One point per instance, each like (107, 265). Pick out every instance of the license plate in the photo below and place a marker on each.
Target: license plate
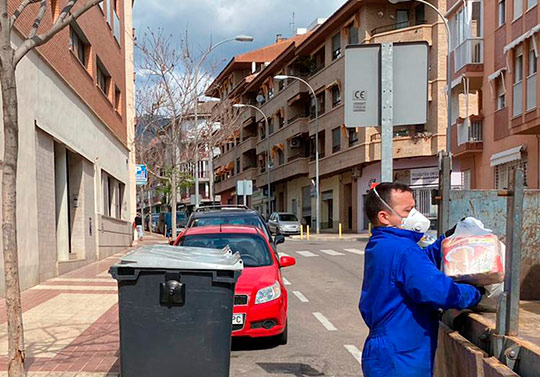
(238, 319)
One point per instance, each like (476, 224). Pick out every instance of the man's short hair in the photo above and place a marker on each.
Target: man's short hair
(374, 205)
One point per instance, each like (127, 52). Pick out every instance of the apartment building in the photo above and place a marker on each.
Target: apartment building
(495, 89)
(76, 190)
(349, 158)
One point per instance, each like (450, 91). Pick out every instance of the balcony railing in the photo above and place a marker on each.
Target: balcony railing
(297, 116)
(475, 131)
(470, 51)
(396, 26)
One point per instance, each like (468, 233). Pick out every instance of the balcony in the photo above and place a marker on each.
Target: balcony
(470, 51)
(230, 183)
(247, 116)
(289, 170)
(410, 33)
(296, 127)
(467, 136)
(421, 144)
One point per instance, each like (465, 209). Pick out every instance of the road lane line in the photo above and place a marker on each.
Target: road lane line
(300, 296)
(286, 282)
(355, 251)
(331, 252)
(325, 322)
(355, 352)
(283, 254)
(307, 254)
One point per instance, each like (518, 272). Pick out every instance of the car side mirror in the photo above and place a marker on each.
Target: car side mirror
(287, 261)
(279, 239)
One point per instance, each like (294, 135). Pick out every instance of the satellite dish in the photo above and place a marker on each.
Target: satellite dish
(260, 98)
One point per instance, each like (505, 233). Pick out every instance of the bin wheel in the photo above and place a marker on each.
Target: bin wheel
(283, 337)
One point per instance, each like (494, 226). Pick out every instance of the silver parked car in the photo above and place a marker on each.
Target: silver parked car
(284, 223)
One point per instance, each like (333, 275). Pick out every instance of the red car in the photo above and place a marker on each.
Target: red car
(260, 301)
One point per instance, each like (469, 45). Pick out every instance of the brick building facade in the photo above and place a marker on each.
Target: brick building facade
(76, 167)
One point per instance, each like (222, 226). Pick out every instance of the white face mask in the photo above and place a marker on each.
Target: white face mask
(415, 221)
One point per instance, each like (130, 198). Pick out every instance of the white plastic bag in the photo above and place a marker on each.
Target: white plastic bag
(473, 254)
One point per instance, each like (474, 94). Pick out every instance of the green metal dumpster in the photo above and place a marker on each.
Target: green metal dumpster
(175, 311)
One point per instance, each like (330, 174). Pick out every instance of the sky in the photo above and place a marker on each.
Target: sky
(211, 21)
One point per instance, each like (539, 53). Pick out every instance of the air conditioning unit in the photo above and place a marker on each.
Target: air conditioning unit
(295, 143)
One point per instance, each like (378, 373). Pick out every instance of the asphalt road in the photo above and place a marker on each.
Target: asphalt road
(326, 331)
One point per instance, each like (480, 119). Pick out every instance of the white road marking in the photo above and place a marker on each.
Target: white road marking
(355, 251)
(307, 254)
(357, 354)
(284, 255)
(331, 252)
(286, 282)
(325, 322)
(300, 296)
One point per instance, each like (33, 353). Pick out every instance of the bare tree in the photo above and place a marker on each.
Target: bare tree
(10, 55)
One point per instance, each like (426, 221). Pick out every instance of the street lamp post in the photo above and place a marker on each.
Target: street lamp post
(241, 105)
(239, 38)
(317, 188)
(449, 68)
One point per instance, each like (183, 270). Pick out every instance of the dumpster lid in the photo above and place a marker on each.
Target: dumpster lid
(182, 257)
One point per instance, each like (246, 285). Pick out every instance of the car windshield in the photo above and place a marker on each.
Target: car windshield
(252, 248)
(287, 217)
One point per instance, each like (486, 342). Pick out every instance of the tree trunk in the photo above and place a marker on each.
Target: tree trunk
(9, 214)
(174, 198)
(211, 173)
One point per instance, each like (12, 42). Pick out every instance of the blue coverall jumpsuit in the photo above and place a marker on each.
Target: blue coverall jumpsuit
(402, 291)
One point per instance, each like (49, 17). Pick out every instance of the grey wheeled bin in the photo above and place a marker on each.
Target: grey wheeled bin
(175, 309)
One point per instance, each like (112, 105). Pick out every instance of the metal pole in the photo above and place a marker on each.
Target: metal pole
(514, 220)
(196, 149)
(387, 113)
(269, 163)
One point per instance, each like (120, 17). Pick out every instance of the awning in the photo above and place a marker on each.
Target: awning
(229, 166)
(496, 74)
(522, 38)
(508, 155)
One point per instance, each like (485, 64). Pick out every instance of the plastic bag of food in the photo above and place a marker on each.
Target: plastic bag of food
(473, 254)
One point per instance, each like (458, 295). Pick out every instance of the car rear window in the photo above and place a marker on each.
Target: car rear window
(252, 248)
(288, 217)
(230, 220)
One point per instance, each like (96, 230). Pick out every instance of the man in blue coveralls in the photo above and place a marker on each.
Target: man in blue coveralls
(403, 288)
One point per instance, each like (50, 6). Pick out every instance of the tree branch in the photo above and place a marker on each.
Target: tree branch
(19, 11)
(38, 19)
(65, 18)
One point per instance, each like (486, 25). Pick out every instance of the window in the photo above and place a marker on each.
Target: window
(103, 78)
(321, 105)
(501, 93)
(281, 157)
(237, 165)
(270, 125)
(518, 69)
(336, 46)
(467, 179)
(117, 99)
(318, 60)
(531, 3)
(78, 45)
(353, 137)
(532, 62)
(336, 96)
(352, 34)
(116, 26)
(518, 9)
(402, 19)
(502, 12)
(503, 171)
(336, 139)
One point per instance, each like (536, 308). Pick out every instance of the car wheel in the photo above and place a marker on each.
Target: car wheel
(282, 338)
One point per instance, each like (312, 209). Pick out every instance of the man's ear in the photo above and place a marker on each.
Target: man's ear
(384, 218)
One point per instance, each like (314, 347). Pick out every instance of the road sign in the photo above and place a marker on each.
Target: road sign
(244, 187)
(141, 175)
(363, 84)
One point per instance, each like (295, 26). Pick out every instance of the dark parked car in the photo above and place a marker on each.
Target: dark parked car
(232, 215)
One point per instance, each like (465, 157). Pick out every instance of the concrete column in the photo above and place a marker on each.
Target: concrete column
(62, 205)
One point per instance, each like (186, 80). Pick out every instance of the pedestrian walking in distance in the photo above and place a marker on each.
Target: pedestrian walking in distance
(403, 287)
(139, 227)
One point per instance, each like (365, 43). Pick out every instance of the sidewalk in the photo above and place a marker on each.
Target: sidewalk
(335, 237)
(71, 323)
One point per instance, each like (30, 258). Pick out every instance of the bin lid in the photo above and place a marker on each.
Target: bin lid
(182, 258)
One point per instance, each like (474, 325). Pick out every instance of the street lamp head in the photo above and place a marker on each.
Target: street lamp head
(281, 77)
(238, 105)
(244, 38)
